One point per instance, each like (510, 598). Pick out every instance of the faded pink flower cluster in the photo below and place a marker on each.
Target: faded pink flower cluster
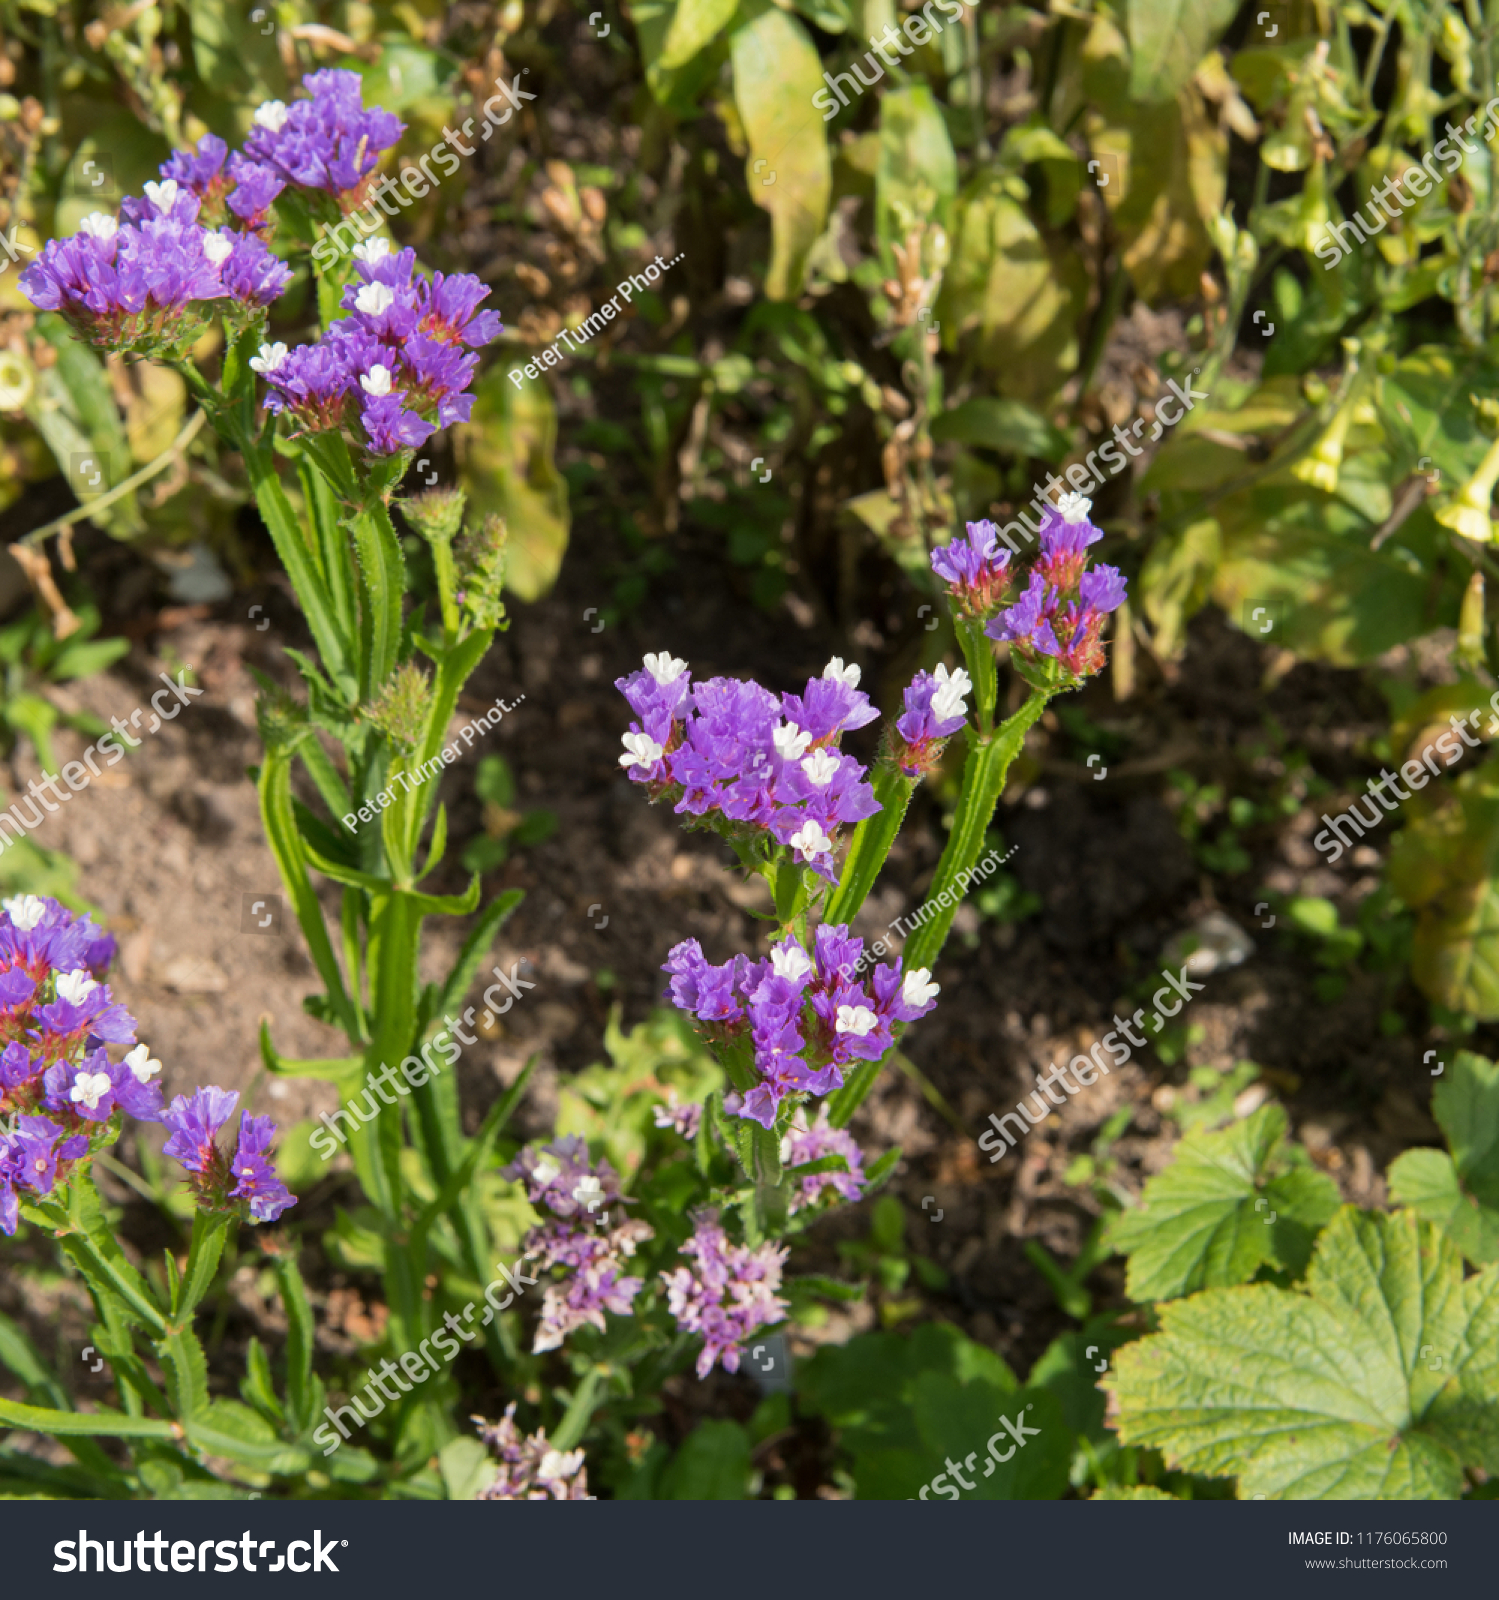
(530, 1469)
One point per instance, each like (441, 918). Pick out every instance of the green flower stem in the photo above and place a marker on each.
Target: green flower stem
(871, 843)
(978, 652)
(984, 775)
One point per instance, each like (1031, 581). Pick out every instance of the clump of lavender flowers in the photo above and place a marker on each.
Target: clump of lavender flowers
(1061, 613)
(529, 1467)
(805, 1017)
(394, 370)
(803, 1144)
(66, 1099)
(579, 1237)
(763, 769)
(726, 1295)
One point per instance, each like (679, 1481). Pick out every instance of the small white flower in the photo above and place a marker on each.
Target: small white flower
(376, 381)
(25, 910)
(271, 114)
(835, 671)
(374, 298)
(371, 251)
(1072, 507)
(557, 1464)
(270, 358)
(789, 960)
(857, 1020)
(947, 702)
(142, 1063)
(217, 248)
(590, 1192)
(544, 1171)
(75, 987)
(89, 1088)
(811, 841)
(162, 195)
(99, 226)
(791, 742)
(916, 987)
(821, 767)
(663, 668)
(640, 750)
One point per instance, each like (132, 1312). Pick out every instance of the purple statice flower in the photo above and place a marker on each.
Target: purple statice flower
(769, 767)
(1066, 534)
(128, 286)
(1077, 627)
(806, 1016)
(94, 1087)
(975, 569)
(705, 991)
(255, 189)
(802, 1145)
(594, 1259)
(935, 710)
(660, 696)
(250, 272)
(390, 426)
(18, 1067)
(28, 1161)
(311, 382)
(83, 1006)
(439, 374)
(563, 1179)
(727, 1295)
(682, 1120)
(529, 1468)
(1027, 623)
(329, 141)
(449, 304)
(256, 1179)
(194, 1123)
(201, 173)
(831, 704)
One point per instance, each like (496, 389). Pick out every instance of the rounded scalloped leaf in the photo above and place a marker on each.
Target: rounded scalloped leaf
(1379, 1382)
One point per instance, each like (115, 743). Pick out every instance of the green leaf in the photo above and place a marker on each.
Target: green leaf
(776, 72)
(1445, 866)
(1167, 39)
(916, 176)
(694, 25)
(1459, 1191)
(712, 1464)
(1425, 407)
(300, 1331)
(1212, 1218)
(507, 462)
(1381, 1381)
(1009, 426)
(466, 1466)
(229, 1428)
(106, 1424)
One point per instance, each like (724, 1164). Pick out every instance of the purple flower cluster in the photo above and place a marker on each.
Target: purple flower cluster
(578, 1193)
(726, 1295)
(140, 284)
(194, 1122)
(935, 710)
(975, 569)
(56, 1019)
(530, 1469)
(803, 1144)
(683, 1120)
(225, 183)
(1061, 612)
(732, 750)
(805, 1018)
(330, 141)
(404, 356)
